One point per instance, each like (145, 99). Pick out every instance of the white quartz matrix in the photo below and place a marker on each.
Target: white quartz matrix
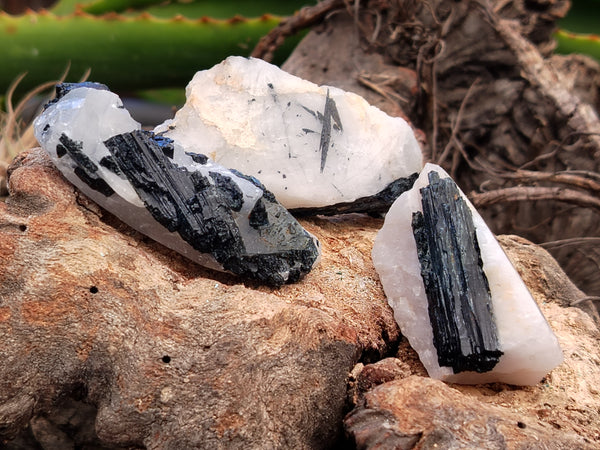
(310, 145)
(530, 347)
(90, 116)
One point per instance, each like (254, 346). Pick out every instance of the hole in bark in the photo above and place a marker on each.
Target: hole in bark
(94, 290)
(23, 227)
(166, 359)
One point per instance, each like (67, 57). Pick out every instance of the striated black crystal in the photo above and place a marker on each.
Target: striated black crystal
(63, 89)
(374, 204)
(190, 206)
(460, 308)
(86, 168)
(201, 212)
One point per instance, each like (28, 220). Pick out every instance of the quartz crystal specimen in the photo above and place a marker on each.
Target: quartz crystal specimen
(456, 296)
(217, 217)
(312, 146)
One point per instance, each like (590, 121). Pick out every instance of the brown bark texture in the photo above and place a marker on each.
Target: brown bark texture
(111, 340)
(111, 334)
(397, 406)
(515, 125)
(417, 411)
(172, 355)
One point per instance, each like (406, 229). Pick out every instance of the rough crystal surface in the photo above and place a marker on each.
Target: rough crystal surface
(530, 349)
(458, 293)
(217, 217)
(312, 146)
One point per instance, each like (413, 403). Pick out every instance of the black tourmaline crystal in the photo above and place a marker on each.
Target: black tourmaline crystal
(202, 211)
(460, 309)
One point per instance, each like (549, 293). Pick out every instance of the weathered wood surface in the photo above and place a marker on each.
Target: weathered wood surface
(398, 406)
(170, 355)
(174, 356)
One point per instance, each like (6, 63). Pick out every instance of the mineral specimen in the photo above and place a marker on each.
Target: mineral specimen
(312, 146)
(217, 217)
(455, 294)
(460, 309)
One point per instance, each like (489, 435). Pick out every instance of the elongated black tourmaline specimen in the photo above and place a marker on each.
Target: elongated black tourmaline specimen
(373, 205)
(460, 308)
(188, 205)
(200, 209)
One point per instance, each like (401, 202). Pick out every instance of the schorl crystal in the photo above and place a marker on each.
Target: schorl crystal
(460, 307)
(215, 216)
(374, 205)
(63, 89)
(86, 169)
(440, 298)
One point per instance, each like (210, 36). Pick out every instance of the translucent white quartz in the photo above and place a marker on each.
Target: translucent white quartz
(530, 347)
(89, 117)
(251, 115)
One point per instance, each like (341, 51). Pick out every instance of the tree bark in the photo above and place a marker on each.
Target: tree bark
(171, 354)
(480, 81)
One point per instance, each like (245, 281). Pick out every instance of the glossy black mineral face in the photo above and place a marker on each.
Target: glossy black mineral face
(455, 294)
(460, 305)
(215, 216)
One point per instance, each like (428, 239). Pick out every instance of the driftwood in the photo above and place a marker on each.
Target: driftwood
(172, 355)
(397, 406)
(112, 340)
(407, 412)
(515, 125)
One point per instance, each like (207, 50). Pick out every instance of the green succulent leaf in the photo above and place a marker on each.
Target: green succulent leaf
(105, 6)
(588, 44)
(194, 9)
(65, 7)
(126, 53)
(228, 8)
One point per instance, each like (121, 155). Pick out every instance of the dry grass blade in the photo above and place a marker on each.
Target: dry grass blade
(15, 136)
(14, 139)
(529, 193)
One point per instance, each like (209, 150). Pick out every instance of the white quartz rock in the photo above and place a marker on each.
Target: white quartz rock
(530, 349)
(310, 145)
(217, 217)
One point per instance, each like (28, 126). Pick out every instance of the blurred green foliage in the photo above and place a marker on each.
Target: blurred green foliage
(133, 45)
(150, 45)
(580, 30)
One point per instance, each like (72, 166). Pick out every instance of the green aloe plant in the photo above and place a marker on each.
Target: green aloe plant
(588, 44)
(580, 30)
(132, 44)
